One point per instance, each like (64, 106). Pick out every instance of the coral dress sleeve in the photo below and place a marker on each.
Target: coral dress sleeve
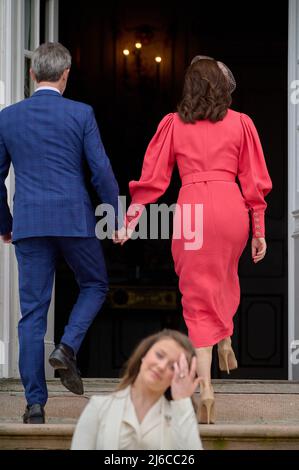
(156, 172)
(253, 175)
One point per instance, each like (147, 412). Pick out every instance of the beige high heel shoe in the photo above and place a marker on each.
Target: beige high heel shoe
(226, 356)
(206, 405)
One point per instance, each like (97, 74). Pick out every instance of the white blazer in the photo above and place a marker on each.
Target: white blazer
(102, 423)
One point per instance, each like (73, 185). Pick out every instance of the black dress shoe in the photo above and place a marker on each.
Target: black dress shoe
(34, 414)
(64, 361)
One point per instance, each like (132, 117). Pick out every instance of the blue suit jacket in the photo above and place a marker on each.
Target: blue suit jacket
(47, 138)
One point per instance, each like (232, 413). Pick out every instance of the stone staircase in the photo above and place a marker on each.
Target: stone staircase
(253, 415)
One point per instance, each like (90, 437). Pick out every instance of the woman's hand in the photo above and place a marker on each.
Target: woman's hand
(184, 382)
(133, 215)
(122, 235)
(258, 249)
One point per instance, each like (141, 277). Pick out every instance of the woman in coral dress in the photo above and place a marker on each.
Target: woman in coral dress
(212, 146)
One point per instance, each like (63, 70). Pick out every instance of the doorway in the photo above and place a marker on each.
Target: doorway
(130, 94)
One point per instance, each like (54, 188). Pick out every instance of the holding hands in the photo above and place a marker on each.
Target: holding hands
(122, 235)
(132, 217)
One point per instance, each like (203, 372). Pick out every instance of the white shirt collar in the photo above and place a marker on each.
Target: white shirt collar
(152, 418)
(52, 88)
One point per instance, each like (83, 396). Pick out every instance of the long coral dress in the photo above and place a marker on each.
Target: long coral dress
(209, 157)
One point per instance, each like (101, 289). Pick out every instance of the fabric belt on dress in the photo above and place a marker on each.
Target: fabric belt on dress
(214, 175)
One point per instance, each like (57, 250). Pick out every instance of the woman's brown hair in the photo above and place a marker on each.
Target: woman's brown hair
(206, 93)
(132, 367)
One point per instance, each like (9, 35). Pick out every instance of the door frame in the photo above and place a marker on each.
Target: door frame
(293, 188)
(12, 80)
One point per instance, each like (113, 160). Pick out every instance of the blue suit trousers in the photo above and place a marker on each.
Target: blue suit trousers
(36, 265)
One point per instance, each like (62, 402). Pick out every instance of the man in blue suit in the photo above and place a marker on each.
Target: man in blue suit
(47, 138)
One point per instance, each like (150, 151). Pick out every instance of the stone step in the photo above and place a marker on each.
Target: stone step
(250, 415)
(249, 402)
(214, 437)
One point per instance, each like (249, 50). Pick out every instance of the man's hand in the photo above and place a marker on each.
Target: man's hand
(6, 238)
(258, 249)
(122, 235)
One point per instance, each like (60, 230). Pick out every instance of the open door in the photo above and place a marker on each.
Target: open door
(24, 24)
